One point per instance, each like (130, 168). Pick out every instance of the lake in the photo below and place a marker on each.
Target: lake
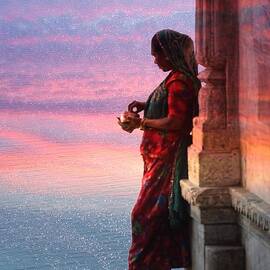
(68, 183)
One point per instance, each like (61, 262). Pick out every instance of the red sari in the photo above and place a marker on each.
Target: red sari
(155, 245)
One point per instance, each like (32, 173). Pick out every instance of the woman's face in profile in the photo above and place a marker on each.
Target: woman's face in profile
(161, 60)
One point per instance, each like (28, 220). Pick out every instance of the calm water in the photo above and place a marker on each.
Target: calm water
(67, 190)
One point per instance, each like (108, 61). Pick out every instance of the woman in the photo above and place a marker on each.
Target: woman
(159, 217)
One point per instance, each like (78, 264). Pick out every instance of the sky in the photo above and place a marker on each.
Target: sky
(67, 69)
(82, 55)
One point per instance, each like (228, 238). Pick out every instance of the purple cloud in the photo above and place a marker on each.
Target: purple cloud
(58, 53)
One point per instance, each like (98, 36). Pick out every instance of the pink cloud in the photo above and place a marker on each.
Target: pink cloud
(62, 172)
(75, 40)
(66, 53)
(37, 9)
(58, 166)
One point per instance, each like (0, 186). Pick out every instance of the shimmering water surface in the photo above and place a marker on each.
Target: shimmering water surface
(67, 190)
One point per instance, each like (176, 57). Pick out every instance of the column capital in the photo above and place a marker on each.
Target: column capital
(205, 197)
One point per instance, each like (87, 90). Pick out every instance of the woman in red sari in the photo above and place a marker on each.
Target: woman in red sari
(160, 238)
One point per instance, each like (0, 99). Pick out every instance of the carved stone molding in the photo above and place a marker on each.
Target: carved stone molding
(245, 203)
(205, 196)
(214, 157)
(212, 97)
(215, 22)
(215, 29)
(252, 207)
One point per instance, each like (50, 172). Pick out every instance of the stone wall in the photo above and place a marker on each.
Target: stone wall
(254, 95)
(214, 157)
(252, 202)
(229, 161)
(257, 247)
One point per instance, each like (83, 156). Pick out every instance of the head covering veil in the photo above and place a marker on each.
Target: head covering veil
(179, 50)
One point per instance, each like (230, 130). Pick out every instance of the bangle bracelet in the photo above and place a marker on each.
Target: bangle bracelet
(142, 124)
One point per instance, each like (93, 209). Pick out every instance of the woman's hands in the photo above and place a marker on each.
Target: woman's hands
(136, 106)
(129, 121)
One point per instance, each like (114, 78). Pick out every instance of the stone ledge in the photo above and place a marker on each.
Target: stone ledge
(245, 203)
(252, 207)
(205, 197)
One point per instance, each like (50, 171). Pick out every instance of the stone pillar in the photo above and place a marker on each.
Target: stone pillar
(214, 157)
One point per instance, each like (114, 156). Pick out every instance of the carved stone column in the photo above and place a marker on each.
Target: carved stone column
(214, 157)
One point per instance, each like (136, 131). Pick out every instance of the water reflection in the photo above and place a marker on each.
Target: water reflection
(66, 193)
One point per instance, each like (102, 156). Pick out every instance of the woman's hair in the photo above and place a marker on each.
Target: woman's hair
(155, 45)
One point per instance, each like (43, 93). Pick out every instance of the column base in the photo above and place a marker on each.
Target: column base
(215, 234)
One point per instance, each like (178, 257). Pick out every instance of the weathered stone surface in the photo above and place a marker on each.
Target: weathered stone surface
(212, 96)
(257, 245)
(223, 140)
(224, 258)
(212, 33)
(197, 246)
(256, 159)
(234, 108)
(205, 196)
(214, 169)
(252, 207)
(203, 236)
(214, 215)
(218, 234)
(254, 95)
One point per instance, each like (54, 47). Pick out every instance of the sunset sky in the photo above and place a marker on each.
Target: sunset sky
(67, 69)
(69, 175)
(82, 55)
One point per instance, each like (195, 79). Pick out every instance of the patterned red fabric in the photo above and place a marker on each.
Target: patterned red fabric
(155, 246)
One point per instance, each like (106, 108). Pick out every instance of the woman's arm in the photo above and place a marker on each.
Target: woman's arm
(168, 123)
(179, 97)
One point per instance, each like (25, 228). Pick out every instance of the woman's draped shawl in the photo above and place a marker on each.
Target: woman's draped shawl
(179, 50)
(157, 107)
